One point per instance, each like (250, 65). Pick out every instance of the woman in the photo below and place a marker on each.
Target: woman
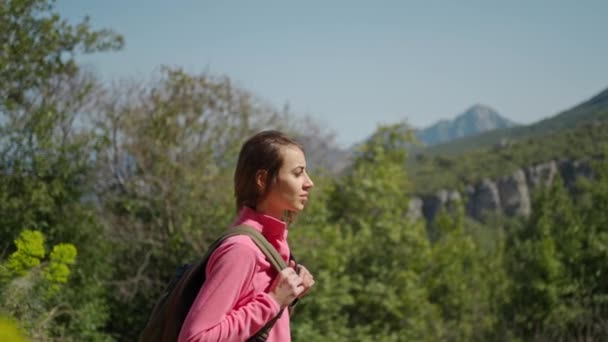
(242, 291)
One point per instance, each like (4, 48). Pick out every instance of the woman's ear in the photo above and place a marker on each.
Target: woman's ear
(260, 180)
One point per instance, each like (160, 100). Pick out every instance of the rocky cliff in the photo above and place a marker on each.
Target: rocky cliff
(509, 195)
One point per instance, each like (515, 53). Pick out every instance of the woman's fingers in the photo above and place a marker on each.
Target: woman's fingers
(293, 282)
(287, 286)
(306, 277)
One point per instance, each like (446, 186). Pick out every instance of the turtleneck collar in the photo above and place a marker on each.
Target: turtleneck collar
(271, 227)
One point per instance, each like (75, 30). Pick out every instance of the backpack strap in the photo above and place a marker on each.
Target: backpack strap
(277, 262)
(269, 251)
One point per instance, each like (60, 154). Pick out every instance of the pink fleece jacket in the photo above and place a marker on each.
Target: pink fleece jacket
(233, 304)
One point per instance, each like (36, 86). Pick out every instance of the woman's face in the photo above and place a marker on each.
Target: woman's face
(289, 191)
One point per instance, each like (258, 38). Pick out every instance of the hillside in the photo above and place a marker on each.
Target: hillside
(577, 133)
(594, 109)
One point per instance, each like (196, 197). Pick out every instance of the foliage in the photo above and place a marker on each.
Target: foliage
(557, 266)
(58, 270)
(9, 331)
(370, 259)
(30, 249)
(458, 281)
(30, 283)
(45, 163)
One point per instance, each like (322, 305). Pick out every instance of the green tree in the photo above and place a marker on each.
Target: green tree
(587, 266)
(45, 157)
(324, 247)
(386, 252)
(461, 279)
(30, 283)
(542, 253)
(9, 331)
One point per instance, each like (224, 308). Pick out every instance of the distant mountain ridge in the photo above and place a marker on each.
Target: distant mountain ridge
(591, 112)
(595, 109)
(477, 119)
(578, 133)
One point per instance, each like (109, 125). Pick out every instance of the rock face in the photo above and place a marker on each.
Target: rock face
(514, 195)
(570, 170)
(485, 199)
(414, 211)
(541, 174)
(509, 195)
(442, 199)
(433, 203)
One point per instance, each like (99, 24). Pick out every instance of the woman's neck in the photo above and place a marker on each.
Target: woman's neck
(265, 209)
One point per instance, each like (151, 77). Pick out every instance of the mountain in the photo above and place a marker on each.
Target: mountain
(475, 120)
(578, 133)
(593, 110)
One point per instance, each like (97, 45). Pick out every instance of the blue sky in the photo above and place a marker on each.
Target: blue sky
(354, 64)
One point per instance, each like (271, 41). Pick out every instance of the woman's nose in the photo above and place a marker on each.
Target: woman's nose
(309, 183)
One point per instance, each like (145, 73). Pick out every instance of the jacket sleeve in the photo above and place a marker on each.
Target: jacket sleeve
(214, 315)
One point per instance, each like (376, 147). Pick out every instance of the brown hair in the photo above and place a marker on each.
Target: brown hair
(260, 152)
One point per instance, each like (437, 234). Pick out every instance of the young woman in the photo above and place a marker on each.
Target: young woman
(242, 291)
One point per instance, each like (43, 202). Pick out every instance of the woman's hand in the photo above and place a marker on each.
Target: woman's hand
(307, 279)
(287, 286)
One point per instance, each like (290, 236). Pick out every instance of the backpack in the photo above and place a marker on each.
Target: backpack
(171, 309)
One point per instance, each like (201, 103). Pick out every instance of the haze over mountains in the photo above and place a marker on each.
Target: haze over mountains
(477, 119)
(481, 127)
(592, 110)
